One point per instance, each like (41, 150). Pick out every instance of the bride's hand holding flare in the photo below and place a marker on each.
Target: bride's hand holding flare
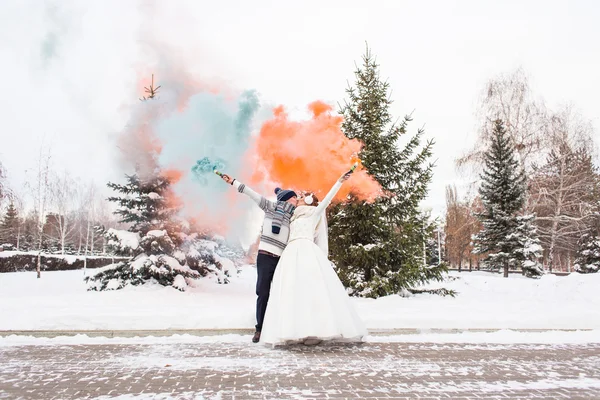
(347, 175)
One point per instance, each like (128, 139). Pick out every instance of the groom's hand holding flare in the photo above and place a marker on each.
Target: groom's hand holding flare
(227, 178)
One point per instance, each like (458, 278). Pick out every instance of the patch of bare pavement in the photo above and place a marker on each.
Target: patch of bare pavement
(241, 370)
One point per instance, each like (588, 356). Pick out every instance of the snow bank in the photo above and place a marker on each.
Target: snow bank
(60, 301)
(487, 300)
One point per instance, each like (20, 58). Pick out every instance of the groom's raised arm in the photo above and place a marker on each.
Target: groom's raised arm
(262, 202)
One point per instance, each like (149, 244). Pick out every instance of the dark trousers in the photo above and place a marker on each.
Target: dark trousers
(265, 267)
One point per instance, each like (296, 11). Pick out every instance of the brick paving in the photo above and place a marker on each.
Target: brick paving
(248, 371)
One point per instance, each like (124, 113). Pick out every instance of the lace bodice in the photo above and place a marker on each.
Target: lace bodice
(305, 219)
(303, 226)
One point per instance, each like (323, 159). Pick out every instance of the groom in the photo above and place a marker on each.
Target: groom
(273, 239)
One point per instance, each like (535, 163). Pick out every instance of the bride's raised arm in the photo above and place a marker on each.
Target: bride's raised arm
(332, 192)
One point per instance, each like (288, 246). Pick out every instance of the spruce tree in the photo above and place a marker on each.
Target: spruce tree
(144, 204)
(153, 237)
(588, 252)
(507, 238)
(528, 248)
(378, 247)
(9, 229)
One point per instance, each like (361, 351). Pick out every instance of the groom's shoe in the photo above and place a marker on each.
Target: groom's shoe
(256, 337)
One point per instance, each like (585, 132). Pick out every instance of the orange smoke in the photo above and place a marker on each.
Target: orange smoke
(310, 155)
(173, 175)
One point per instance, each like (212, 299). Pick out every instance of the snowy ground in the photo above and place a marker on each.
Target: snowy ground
(230, 370)
(60, 301)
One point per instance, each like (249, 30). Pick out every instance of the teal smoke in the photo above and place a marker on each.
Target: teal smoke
(213, 131)
(206, 167)
(229, 157)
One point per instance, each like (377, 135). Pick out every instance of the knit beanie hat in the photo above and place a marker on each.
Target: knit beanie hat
(284, 195)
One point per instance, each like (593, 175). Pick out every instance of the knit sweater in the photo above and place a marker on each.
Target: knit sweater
(269, 241)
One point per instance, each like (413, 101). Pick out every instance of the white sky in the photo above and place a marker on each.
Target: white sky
(68, 67)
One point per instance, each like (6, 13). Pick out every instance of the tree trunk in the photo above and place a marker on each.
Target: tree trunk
(62, 243)
(18, 236)
(87, 240)
(551, 250)
(80, 239)
(38, 267)
(470, 264)
(87, 237)
(41, 199)
(92, 251)
(557, 213)
(506, 269)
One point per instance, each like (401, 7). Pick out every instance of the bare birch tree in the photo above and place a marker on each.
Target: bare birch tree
(461, 224)
(563, 190)
(509, 97)
(456, 228)
(40, 193)
(84, 203)
(63, 192)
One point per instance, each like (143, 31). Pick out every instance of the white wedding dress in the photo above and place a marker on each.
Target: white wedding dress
(307, 299)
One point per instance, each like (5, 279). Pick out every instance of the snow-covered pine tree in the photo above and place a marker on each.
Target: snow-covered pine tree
(153, 238)
(435, 249)
(378, 248)
(528, 248)
(9, 229)
(507, 239)
(588, 252)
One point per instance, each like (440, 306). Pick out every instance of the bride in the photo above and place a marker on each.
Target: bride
(308, 302)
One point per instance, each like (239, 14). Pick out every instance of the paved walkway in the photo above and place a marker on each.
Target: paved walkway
(247, 371)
